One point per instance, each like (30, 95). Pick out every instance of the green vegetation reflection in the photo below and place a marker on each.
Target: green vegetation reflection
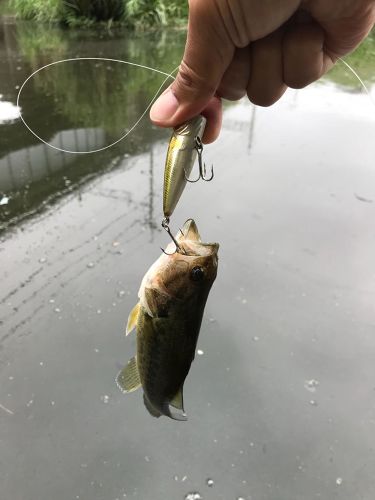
(66, 104)
(362, 60)
(98, 93)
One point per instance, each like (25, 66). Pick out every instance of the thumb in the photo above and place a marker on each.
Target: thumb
(208, 53)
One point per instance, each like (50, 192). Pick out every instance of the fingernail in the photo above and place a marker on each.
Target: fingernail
(164, 107)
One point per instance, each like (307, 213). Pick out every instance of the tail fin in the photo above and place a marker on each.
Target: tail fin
(177, 403)
(167, 410)
(176, 415)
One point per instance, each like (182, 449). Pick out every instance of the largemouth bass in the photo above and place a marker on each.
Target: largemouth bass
(167, 320)
(181, 155)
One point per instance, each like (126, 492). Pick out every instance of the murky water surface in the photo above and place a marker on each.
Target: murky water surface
(281, 399)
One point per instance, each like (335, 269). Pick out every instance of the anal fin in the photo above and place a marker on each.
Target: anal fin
(128, 378)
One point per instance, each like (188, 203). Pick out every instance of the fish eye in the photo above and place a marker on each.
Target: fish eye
(197, 273)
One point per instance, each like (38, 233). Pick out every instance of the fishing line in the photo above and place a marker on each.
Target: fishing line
(167, 75)
(359, 79)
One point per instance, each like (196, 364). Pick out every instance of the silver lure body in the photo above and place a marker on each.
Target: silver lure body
(181, 155)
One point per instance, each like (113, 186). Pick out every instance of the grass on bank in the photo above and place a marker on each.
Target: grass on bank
(135, 13)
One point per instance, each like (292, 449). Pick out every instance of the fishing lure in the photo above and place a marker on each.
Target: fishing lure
(184, 147)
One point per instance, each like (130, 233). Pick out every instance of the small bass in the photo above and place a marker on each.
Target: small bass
(181, 155)
(167, 320)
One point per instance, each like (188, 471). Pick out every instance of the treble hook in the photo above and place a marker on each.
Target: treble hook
(202, 166)
(165, 225)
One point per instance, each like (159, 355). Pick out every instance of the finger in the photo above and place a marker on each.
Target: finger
(234, 82)
(303, 56)
(208, 53)
(213, 112)
(266, 84)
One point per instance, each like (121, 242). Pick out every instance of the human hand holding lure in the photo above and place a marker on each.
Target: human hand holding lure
(258, 48)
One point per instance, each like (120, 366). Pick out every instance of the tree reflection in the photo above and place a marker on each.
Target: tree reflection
(81, 105)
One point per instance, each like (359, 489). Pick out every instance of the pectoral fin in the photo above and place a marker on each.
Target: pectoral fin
(132, 319)
(128, 378)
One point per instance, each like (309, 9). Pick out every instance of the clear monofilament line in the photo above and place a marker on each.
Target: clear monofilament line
(167, 76)
(108, 59)
(359, 79)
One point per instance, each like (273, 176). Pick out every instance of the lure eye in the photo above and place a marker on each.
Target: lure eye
(197, 274)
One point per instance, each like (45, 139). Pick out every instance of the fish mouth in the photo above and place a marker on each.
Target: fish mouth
(189, 232)
(212, 247)
(191, 243)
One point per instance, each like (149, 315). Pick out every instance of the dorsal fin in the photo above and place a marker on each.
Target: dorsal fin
(128, 378)
(132, 319)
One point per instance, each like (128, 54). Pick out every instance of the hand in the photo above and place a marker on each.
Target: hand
(258, 48)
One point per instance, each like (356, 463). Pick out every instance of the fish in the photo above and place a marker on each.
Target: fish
(181, 155)
(167, 321)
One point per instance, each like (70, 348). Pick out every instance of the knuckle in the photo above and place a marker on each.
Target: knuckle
(261, 101)
(191, 81)
(264, 99)
(199, 7)
(231, 93)
(295, 81)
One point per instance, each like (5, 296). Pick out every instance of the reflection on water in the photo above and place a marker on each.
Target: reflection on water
(76, 106)
(95, 93)
(281, 393)
(8, 111)
(87, 105)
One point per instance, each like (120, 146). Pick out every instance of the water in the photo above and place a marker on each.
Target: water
(289, 320)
